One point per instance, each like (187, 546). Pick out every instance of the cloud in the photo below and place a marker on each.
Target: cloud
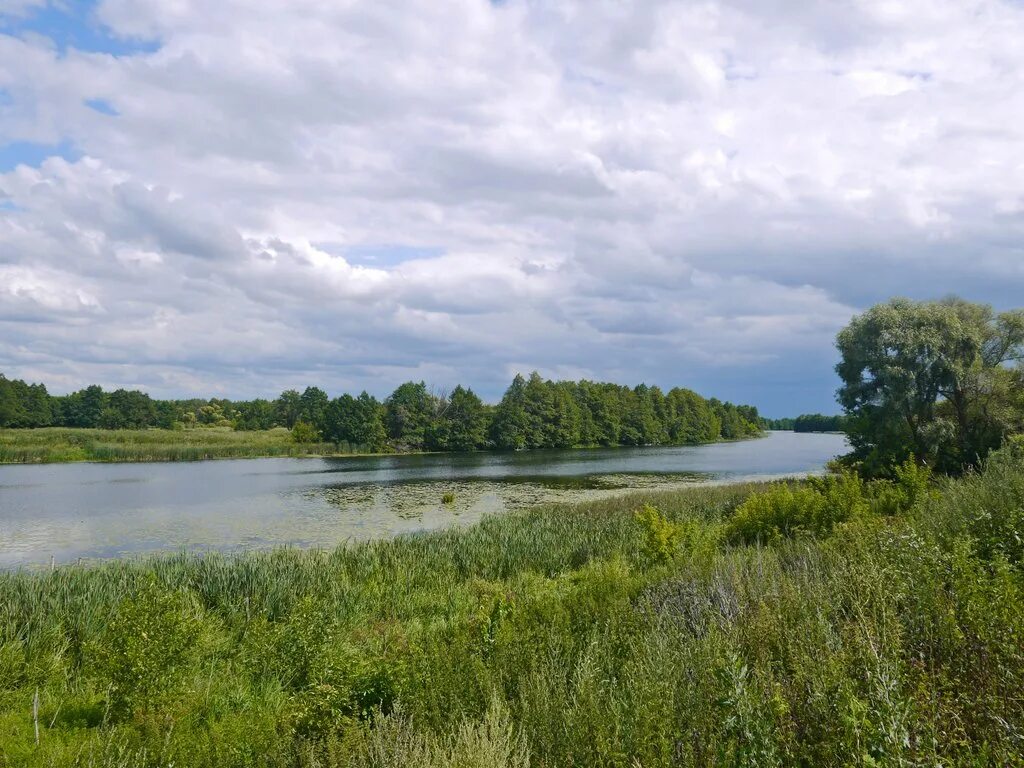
(19, 8)
(351, 194)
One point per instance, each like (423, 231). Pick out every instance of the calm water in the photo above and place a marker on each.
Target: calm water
(70, 511)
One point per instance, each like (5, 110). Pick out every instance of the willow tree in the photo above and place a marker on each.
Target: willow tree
(932, 380)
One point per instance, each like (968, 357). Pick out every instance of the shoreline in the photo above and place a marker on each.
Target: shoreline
(143, 458)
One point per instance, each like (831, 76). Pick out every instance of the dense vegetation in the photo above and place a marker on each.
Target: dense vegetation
(533, 413)
(57, 444)
(832, 623)
(808, 422)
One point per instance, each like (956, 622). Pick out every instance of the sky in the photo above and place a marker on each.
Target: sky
(233, 197)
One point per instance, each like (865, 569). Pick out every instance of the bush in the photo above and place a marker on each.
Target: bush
(661, 537)
(787, 510)
(305, 433)
(149, 648)
(987, 508)
(894, 497)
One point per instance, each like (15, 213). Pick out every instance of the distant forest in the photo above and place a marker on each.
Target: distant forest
(809, 422)
(533, 413)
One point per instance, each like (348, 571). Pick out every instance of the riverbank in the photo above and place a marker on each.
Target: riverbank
(65, 445)
(880, 624)
(58, 445)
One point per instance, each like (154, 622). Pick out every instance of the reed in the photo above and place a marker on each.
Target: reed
(49, 445)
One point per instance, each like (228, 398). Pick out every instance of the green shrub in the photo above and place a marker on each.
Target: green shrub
(149, 649)
(660, 537)
(988, 507)
(894, 497)
(787, 510)
(303, 432)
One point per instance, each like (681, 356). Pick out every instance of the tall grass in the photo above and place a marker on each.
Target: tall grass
(58, 444)
(563, 636)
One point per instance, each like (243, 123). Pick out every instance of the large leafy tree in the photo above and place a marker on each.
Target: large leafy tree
(288, 408)
(409, 414)
(930, 380)
(563, 428)
(84, 408)
(128, 409)
(511, 424)
(255, 414)
(355, 420)
(313, 404)
(462, 425)
(370, 431)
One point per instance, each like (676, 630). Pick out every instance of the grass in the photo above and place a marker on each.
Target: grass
(58, 444)
(649, 630)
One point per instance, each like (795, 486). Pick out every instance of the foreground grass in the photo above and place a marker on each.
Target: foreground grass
(582, 636)
(60, 444)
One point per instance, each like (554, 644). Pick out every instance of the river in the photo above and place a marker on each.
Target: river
(93, 511)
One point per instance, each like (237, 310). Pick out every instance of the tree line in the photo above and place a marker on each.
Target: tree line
(808, 422)
(533, 413)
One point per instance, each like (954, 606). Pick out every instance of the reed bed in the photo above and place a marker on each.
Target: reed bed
(579, 635)
(57, 444)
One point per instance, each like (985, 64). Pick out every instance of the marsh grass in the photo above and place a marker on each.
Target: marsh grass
(579, 635)
(57, 444)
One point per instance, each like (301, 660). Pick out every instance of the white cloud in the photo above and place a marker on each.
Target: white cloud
(694, 194)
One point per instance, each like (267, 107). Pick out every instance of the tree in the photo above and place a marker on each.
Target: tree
(929, 380)
(463, 424)
(539, 405)
(12, 407)
(313, 407)
(24, 405)
(340, 420)
(255, 414)
(511, 423)
(357, 421)
(288, 408)
(84, 408)
(369, 423)
(128, 409)
(816, 422)
(409, 413)
(605, 414)
(563, 428)
(639, 426)
(691, 419)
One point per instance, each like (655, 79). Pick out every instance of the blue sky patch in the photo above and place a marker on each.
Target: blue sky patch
(387, 254)
(31, 153)
(102, 106)
(74, 25)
